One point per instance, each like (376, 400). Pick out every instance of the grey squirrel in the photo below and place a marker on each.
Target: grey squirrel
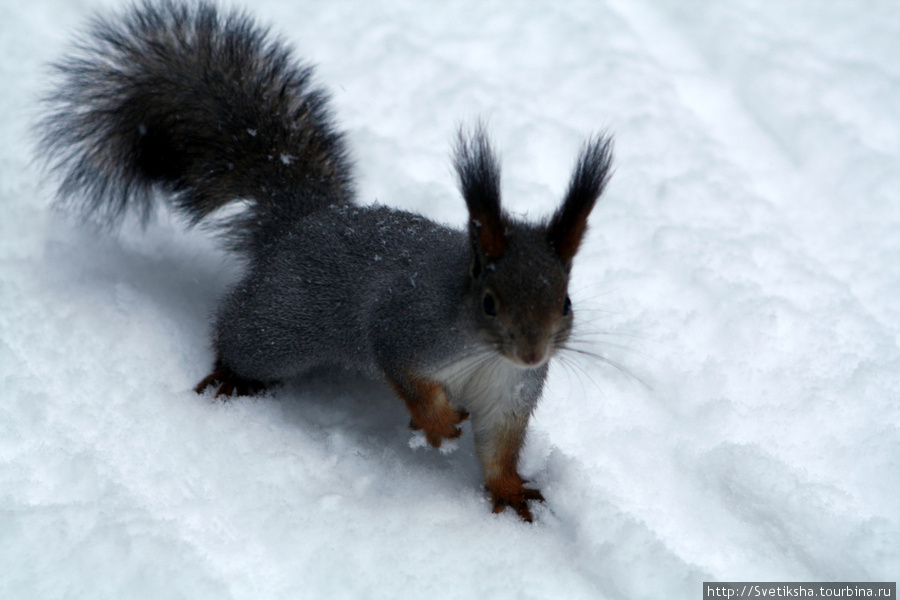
(202, 108)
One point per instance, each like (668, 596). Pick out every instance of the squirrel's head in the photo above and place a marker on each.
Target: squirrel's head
(519, 271)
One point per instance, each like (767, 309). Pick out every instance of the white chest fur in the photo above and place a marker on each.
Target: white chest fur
(490, 386)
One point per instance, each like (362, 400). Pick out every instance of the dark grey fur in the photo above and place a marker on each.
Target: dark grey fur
(182, 102)
(203, 106)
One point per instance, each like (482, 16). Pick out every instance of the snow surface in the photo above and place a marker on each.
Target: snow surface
(744, 266)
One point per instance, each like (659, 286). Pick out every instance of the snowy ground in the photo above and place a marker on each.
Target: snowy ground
(744, 265)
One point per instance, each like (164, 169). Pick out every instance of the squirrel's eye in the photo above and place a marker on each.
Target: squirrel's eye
(489, 306)
(567, 306)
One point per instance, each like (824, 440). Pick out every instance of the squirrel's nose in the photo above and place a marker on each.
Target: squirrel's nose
(533, 356)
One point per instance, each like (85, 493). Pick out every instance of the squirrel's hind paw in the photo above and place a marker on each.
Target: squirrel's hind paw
(229, 383)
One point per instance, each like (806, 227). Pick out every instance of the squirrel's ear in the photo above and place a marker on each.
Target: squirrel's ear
(479, 182)
(569, 222)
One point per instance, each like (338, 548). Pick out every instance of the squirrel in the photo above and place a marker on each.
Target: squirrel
(188, 104)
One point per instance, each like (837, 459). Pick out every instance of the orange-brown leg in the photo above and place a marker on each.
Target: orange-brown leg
(430, 411)
(228, 382)
(498, 451)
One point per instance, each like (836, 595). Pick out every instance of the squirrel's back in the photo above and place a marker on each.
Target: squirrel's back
(344, 281)
(203, 106)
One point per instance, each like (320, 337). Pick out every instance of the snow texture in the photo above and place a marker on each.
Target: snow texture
(743, 266)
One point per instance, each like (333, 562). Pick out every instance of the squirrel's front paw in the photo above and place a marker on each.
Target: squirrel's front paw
(228, 382)
(440, 424)
(515, 495)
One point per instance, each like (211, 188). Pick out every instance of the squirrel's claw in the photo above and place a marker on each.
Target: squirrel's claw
(518, 502)
(437, 430)
(515, 497)
(228, 383)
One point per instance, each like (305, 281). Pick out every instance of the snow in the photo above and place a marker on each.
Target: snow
(744, 266)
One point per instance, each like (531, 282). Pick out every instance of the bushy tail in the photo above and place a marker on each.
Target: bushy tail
(204, 107)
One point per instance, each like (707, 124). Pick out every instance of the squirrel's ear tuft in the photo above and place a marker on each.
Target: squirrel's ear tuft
(479, 182)
(592, 171)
